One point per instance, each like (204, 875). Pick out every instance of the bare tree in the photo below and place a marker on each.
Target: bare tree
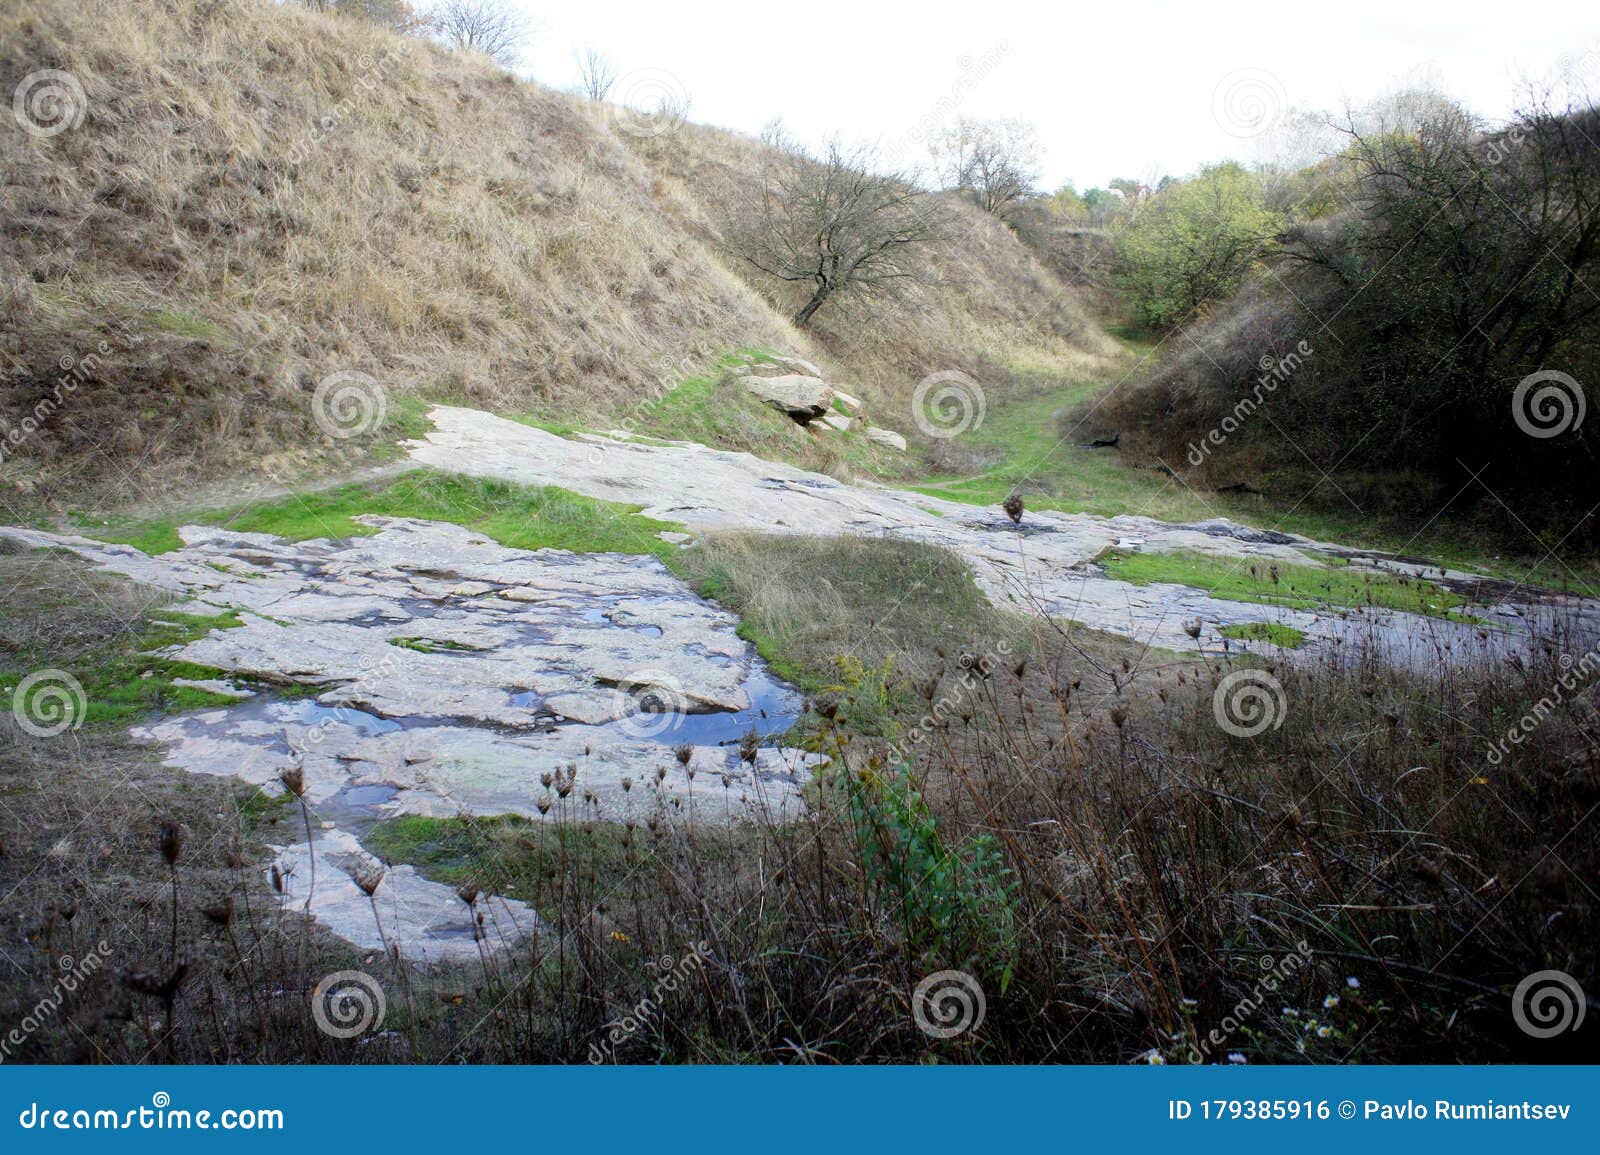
(491, 27)
(833, 223)
(595, 75)
(995, 162)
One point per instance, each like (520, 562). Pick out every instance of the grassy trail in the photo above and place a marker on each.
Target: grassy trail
(1038, 455)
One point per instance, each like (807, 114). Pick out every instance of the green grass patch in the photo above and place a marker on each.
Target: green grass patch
(1280, 584)
(518, 856)
(1286, 637)
(123, 681)
(516, 516)
(405, 419)
(430, 646)
(181, 324)
(1032, 453)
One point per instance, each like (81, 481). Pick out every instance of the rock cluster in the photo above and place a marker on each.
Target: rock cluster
(795, 387)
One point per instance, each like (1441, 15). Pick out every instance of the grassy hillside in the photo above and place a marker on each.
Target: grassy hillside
(259, 196)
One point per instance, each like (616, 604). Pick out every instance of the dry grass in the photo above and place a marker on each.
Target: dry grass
(1074, 830)
(988, 305)
(260, 195)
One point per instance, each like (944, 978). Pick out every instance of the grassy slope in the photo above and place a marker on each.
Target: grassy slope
(517, 516)
(456, 233)
(1034, 446)
(1291, 586)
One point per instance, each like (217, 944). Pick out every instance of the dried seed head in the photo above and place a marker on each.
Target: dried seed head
(171, 841)
(294, 779)
(366, 878)
(749, 746)
(467, 892)
(1192, 627)
(1013, 507)
(683, 751)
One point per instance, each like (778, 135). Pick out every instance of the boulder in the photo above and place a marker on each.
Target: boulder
(887, 437)
(843, 400)
(802, 397)
(799, 365)
(838, 421)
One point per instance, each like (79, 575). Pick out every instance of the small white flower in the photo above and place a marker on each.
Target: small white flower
(1236, 1057)
(1324, 1032)
(1330, 1002)
(1353, 983)
(1187, 1004)
(1153, 1057)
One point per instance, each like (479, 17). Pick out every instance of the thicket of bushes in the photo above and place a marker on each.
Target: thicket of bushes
(1429, 270)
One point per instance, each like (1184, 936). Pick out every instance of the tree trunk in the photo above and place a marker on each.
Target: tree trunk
(811, 306)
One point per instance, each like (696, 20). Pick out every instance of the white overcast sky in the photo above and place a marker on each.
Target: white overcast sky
(1134, 88)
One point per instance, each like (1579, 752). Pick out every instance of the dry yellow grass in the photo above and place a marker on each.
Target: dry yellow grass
(260, 195)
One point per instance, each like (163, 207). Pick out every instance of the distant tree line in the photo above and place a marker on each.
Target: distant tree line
(1448, 278)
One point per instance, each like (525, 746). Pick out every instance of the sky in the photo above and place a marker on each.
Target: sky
(1131, 88)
